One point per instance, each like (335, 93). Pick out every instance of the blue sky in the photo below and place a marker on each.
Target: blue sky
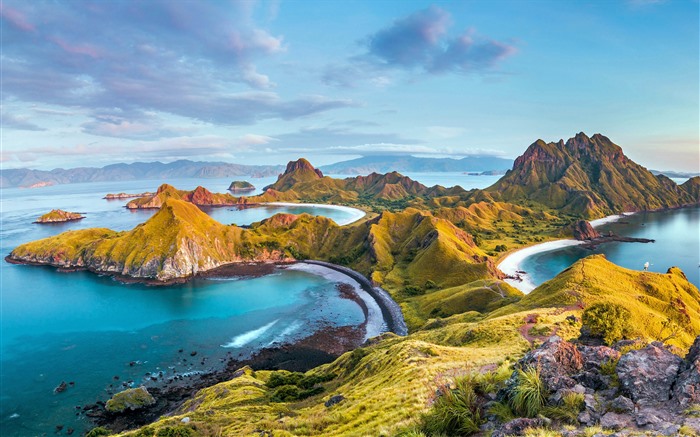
(93, 83)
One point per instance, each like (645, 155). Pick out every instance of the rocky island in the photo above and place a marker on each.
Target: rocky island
(58, 216)
(241, 186)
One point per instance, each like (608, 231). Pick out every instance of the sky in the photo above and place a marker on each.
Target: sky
(263, 82)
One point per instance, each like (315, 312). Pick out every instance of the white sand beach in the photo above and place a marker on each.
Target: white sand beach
(512, 264)
(355, 214)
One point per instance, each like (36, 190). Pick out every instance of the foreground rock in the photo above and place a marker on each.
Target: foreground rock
(131, 399)
(648, 390)
(58, 216)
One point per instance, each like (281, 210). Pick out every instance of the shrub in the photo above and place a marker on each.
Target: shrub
(412, 290)
(529, 395)
(571, 405)
(608, 321)
(97, 432)
(175, 431)
(429, 284)
(501, 248)
(456, 412)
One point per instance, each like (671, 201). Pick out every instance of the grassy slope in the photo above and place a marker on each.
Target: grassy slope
(650, 297)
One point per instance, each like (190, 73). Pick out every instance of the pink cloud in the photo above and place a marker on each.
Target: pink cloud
(16, 18)
(78, 49)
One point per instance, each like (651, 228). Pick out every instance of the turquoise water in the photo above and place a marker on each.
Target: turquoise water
(86, 329)
(677, 235)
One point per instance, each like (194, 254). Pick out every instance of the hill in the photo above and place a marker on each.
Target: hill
(385, 164)
(24, 177)
(588, 177)
(199, 196)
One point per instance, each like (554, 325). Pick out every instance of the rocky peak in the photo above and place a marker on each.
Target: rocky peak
(584, 231)
(301, 164)
(166, 188)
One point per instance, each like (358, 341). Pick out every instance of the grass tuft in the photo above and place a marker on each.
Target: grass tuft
(529, 395)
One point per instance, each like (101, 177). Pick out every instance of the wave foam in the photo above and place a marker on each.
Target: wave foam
(247, 337)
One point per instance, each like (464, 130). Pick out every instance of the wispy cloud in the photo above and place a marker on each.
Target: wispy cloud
(18, 122)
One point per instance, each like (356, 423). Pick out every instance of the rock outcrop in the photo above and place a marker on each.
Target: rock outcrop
(583, 231)
(59, 215)
(646, 390)
(199, 196)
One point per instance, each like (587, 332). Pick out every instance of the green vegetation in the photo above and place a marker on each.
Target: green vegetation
(98, 432)
(58, 215)
(530, 395)
(130, 399)
(607, 320)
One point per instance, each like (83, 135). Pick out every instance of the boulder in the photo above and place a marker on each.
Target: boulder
(557, 360)
(622, 404)
(517, 427)
(615, 421)
(647, 375)
(131, 399)
(686, 390)
(334, 400)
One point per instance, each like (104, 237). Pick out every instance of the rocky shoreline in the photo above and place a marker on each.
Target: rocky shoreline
(170, 393)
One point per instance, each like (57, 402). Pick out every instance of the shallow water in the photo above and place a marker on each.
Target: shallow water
(677, 235)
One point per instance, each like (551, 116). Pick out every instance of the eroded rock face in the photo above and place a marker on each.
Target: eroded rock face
(584, 231)
(648, 374)
(557, 360)
(686, 390)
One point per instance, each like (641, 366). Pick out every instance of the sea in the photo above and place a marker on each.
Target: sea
(100, 336)
(677, 244)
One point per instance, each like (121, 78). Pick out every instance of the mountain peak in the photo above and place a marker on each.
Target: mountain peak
(301, 164)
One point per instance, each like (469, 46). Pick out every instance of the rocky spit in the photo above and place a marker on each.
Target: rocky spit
(651, 392)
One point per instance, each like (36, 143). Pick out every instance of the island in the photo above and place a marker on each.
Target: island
(598, 345)
(117, 196)
(241, 186)
(58, 216)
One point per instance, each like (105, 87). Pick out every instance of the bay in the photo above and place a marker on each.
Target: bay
(677, 243)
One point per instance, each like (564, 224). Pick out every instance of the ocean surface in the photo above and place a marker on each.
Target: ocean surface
(102, 336)
(677, 235)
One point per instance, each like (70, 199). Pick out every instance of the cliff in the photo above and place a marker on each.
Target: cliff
(588, 177)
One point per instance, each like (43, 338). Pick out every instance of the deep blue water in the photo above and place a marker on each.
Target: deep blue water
(86, 329)
(677, 235)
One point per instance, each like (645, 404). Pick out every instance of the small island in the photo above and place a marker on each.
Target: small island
(113, 196)
(58, 216)
(241, 186)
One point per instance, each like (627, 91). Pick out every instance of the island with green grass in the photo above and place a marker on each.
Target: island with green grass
(59, 216)
(598, 349)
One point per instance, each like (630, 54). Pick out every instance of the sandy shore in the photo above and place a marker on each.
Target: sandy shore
(511, 265)
(355, 214)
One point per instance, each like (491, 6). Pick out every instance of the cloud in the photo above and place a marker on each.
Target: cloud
(420, 42)
(134, 125)
(408, 149)
(18, 122)
(193, 59)
(335, 135)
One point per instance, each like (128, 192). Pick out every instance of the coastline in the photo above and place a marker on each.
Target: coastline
(356, 214)
(511, 264)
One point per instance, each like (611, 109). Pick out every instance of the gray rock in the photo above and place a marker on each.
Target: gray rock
(557, 360)
(622, 404)
(517, 427)
(686, 390)
(334, 400)
(615, 421)
(648, 374)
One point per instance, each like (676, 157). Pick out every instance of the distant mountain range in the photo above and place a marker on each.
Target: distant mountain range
(139, 170)
(386, 164)
(675, 174)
